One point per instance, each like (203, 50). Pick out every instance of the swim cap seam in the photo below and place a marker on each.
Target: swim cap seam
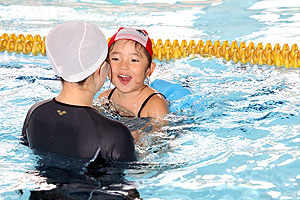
(80, 46)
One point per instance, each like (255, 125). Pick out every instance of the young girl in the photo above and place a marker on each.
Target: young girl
(130, 58)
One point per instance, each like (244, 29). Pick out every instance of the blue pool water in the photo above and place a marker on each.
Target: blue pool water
(236, 137)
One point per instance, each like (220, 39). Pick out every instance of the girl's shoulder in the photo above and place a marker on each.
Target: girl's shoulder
(158, 95)
(151, 90)
(156, 105)
(154, 96)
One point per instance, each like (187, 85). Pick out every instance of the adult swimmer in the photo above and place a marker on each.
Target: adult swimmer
(67, 124)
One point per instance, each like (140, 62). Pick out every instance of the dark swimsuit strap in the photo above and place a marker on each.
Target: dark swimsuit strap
(111, 92)
(144, 103)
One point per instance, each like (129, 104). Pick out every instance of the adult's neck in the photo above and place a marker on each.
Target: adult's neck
(75, 94)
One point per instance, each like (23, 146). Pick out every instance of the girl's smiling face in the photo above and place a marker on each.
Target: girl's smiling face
(129, 66)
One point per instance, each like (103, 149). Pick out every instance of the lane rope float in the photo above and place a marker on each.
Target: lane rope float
(168, 51)
(33, 45)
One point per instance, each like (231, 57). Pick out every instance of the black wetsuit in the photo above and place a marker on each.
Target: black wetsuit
(144, 103)
(76, 131)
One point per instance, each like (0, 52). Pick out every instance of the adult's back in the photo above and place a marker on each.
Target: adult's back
(76, 131)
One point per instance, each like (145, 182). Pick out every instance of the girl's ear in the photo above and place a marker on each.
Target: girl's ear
(150, 69)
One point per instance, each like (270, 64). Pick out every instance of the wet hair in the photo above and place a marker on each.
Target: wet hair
(81, 83)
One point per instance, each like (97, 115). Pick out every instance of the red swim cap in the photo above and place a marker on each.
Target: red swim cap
(138, 35)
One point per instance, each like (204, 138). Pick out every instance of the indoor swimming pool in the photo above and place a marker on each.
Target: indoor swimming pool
(237, 136)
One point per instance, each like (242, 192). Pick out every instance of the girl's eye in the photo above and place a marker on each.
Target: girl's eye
(134, 60)
(115, 59)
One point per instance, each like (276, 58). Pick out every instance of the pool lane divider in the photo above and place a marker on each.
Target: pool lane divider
(282, 57)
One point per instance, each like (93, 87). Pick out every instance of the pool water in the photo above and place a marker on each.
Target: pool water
(236, 137)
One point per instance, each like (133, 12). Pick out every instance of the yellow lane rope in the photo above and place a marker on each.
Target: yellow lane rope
(285, 57)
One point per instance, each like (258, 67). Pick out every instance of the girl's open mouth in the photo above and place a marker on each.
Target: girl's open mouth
(124, 79)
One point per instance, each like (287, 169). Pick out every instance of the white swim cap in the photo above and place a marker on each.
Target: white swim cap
(76, 50)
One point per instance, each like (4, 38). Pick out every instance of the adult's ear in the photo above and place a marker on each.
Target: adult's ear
(103, 70)
(150, 69)
(101, 73)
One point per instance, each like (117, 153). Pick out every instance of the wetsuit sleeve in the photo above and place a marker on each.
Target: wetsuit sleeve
(24, 139)
(125, 149)
(118, 143)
